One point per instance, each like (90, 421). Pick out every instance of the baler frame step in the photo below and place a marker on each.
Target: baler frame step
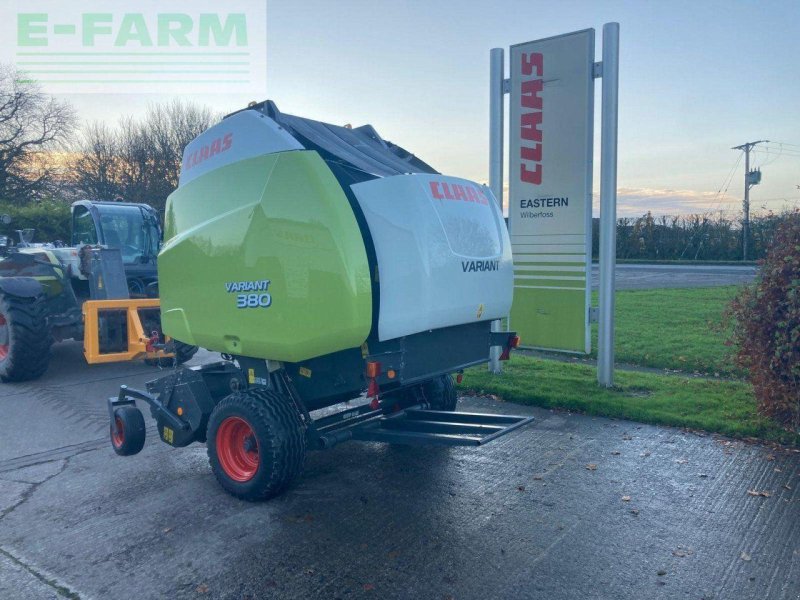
(416, 426)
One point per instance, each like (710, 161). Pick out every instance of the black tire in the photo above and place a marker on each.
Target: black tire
(25, 338)
(438, 394)
(183, 353)
(129, 439)
(276, 428)
(441, 393)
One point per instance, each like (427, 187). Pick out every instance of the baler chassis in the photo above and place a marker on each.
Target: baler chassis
(381, 421)
(258, 426)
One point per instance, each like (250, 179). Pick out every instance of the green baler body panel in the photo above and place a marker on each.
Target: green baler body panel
(281, 218)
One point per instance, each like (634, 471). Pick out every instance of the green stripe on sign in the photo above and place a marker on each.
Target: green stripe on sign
(538, 282)
(136, 72)
(164, 53)
(167, 81)
(565, 275)
(522, 260)
(542, 254)
(147, 63)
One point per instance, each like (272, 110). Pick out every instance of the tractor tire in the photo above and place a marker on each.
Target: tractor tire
(25, 338)
(441, 393)
(183, 353)
(130, 435)
(256, 443)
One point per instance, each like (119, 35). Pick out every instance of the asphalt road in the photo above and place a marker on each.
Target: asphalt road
(570, 507)
(644, 276)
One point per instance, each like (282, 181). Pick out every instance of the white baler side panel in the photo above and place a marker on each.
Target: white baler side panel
(444, 255)
(246, 134)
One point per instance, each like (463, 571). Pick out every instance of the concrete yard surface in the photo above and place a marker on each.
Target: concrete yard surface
(568, 507)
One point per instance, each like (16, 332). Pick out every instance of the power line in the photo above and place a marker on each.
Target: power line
(776, 153)
(718, 199)
(770, 157)
(779, 148)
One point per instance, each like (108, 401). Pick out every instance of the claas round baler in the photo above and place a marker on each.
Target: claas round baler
(329, 268)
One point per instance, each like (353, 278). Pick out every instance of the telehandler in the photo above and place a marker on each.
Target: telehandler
(100, 288)
(330, 268)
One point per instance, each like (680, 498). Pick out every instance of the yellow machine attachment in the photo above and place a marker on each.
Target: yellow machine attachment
(122, 330)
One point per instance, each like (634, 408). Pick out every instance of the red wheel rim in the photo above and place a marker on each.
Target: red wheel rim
(3, 337)
(237, 449)
(118, 436)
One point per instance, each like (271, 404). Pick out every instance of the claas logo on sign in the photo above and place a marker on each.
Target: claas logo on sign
(530, 150)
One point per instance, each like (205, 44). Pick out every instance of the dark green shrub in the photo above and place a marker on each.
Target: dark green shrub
(50, 219)
(767, 331)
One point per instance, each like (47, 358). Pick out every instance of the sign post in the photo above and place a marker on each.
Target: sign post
(550, 190)
(496, 119)
(608, 204)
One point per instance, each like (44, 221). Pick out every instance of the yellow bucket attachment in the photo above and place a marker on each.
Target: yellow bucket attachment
(139, 342)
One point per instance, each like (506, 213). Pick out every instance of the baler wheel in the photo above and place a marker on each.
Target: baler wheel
(237, 449)
(441, 393)
(25, 338)
(127, 438)
(256, 443)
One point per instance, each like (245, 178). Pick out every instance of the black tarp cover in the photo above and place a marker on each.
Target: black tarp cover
(360, 148)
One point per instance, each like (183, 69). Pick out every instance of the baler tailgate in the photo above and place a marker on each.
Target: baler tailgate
(433, 427)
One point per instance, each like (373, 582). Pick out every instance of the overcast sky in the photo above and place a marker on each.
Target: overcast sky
(695, 79)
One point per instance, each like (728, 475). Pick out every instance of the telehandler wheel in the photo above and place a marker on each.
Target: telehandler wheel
(128, 439)
(441, 393)
(183, 353)
(256, 443)
(25, 338)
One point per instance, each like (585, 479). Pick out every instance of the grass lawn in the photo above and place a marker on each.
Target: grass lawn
(726, 407)
(673, 329)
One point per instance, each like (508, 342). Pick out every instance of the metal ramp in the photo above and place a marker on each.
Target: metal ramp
(416, 426)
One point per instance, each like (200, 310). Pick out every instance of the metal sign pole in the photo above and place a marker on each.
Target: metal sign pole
(608, 204)
(496, 122)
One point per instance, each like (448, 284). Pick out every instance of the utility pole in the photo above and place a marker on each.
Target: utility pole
(751, 178)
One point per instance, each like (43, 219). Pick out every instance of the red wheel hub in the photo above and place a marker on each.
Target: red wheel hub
(3, 337)
(237, 449)
(118, 436)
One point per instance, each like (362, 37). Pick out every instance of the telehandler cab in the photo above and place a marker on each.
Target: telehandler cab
(102, 288)
(327, 266)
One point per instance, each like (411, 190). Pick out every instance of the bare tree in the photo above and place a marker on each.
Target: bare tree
(137, 158)
(97, 166)
(32, 125)
(145, 154)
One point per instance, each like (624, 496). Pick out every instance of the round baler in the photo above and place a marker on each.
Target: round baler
(326, 265)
